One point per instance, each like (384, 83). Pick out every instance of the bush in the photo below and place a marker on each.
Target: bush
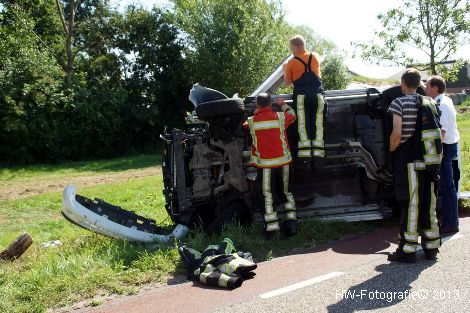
(335, 74)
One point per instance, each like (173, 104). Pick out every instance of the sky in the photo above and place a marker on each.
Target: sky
(341, 21)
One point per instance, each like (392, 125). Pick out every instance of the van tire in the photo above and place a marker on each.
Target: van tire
(220, 108)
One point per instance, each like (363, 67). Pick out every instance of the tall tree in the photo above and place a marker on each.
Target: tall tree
(69, 30)
(232, 44)
(436, 28)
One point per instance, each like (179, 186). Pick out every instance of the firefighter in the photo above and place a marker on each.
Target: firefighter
(303, 71)
(415, 145)
(271, 156)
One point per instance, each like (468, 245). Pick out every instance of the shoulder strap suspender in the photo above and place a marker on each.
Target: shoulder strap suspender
(308, 66)
(310, 63)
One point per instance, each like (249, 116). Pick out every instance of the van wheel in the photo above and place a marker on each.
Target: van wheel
(234, 211)
(220, 108)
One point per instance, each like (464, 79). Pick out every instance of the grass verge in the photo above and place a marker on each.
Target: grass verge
(45, 171)
(89, 265)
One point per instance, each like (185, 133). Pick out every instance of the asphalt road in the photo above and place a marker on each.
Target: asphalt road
(350, 276)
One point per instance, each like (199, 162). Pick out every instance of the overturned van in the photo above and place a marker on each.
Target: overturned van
(207, 177)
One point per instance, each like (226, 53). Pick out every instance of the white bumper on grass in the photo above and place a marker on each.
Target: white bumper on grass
(101, 224)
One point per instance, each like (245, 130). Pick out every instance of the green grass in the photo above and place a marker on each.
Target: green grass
(463, 123)
(89, 265)
(19, 173)
(86, 264)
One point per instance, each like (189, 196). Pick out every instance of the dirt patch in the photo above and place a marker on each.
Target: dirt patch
(24, 189)
(103, 298)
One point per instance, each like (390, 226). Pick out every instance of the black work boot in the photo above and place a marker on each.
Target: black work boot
(400, 256)
(291, 227)
(430, 254)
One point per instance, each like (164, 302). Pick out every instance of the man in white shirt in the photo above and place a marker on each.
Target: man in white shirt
(435, 88)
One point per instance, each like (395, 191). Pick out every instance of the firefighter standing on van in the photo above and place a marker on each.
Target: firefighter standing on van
(271, 155)
(415, 145)
(307, 138)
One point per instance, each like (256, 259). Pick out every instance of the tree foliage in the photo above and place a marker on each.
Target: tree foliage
(314, 41)
(435, 28)
(79, 79)
(232, 45)
(335, 74)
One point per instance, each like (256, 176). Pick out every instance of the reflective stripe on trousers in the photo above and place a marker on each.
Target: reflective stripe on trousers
(313, 146)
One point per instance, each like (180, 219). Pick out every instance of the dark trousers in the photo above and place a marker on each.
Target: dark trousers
(447, 188)
(418, 213)
(416, 193)
(306, 135)
(273, 188)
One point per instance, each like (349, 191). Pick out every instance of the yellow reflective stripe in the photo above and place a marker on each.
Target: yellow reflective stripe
(253, 135)
(301, 118)
(434, 223)
(430, 147)
(430, 134)
(420, 165)
(285, 180)
(305, 144)
(282, 124)
(414, 200)
(319, 118)
(318, 143)
(431, 234)
(272, 226)
(268, 197)
(272, 162)
(223, 280)
(432, 244)
(266, 125)
(432, 159)
(308, 153)
(319, 153)
(290, 205)
(203, 277)
(289, 110)
(207, 271)
(271, 217)
(411, 237)
(291, 215)
(409, 248)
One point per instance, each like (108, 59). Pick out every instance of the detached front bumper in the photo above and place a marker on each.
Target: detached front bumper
(101, 217)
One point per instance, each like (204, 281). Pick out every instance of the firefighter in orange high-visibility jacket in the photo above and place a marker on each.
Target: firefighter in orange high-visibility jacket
(270, 154)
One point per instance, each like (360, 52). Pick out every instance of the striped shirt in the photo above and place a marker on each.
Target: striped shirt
(407, 108)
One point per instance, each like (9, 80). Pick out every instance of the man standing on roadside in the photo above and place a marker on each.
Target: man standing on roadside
(415, 145)
(304, 72)
(435, 88)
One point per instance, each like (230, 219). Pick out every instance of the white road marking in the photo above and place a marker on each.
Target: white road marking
(445, 239)
(302, 284)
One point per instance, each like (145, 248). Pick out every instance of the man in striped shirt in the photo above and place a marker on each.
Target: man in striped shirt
(413, 187)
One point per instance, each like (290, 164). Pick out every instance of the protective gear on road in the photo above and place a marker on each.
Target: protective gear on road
(219, 265)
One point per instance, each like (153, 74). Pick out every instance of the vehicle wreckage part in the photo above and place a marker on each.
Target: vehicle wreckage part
(17, 248)
(274, 81)
(101, 217)
(220, 108)
(355, 151)
(199, 94)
